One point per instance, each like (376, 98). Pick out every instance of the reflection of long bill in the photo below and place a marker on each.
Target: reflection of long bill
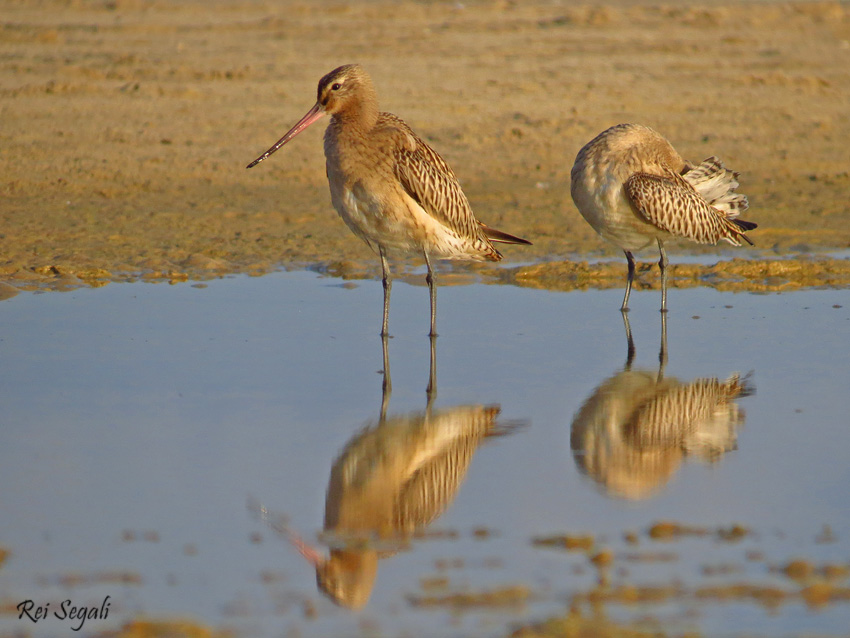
(391, 480)
(313, 556)
(311, 116)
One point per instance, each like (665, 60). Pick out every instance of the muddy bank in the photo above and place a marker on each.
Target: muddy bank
(125, 127)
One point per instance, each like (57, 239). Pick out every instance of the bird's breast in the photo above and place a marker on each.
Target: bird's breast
(599, 194)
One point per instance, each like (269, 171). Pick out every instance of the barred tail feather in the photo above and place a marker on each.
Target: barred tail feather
(717, 185)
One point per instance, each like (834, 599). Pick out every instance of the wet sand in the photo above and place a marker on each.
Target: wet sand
(126, 127)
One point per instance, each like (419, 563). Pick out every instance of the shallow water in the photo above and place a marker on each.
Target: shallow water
(145, 425)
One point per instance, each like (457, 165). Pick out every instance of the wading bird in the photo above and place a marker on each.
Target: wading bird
(632, 186)
(392, 189)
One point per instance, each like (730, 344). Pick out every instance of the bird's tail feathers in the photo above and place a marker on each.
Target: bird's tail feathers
(740, 387)
(717, 185)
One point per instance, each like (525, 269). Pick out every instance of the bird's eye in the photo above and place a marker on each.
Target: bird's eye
(336, 86)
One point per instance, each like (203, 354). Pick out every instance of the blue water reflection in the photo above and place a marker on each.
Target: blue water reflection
(635, 430)
(138, 421)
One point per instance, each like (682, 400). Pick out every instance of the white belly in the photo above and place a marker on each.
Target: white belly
(602, 201)
(393, 221)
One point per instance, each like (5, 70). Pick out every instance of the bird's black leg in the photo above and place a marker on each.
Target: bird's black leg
(388, 286)
(631, 259)
(662, 263)
(432, 289)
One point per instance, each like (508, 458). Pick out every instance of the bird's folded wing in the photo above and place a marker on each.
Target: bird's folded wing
(672, 205)
(429, 490)
(430, 181)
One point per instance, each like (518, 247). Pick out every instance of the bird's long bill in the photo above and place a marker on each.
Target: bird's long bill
(310, 553)
(311, 116)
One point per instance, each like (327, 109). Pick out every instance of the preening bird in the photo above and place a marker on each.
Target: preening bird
(632, 186)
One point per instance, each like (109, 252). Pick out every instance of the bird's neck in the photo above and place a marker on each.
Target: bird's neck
(361, 115)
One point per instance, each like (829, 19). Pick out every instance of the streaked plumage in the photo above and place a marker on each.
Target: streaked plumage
(699, 416)
(392, 189)
(391, 481)
(634, 430)
(633, 188)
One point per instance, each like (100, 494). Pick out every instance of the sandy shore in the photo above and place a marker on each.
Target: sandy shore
(125, 126)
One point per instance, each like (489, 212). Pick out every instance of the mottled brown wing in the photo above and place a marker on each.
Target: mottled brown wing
(429, 180)
(696, 408)
(671, 204)
(666, 419)
(433, 487)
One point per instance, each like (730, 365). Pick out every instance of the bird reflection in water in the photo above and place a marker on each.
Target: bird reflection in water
(391, 480)
(632, 434)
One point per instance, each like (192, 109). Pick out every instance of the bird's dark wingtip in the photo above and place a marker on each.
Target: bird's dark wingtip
(503, 237)
(745, 226)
